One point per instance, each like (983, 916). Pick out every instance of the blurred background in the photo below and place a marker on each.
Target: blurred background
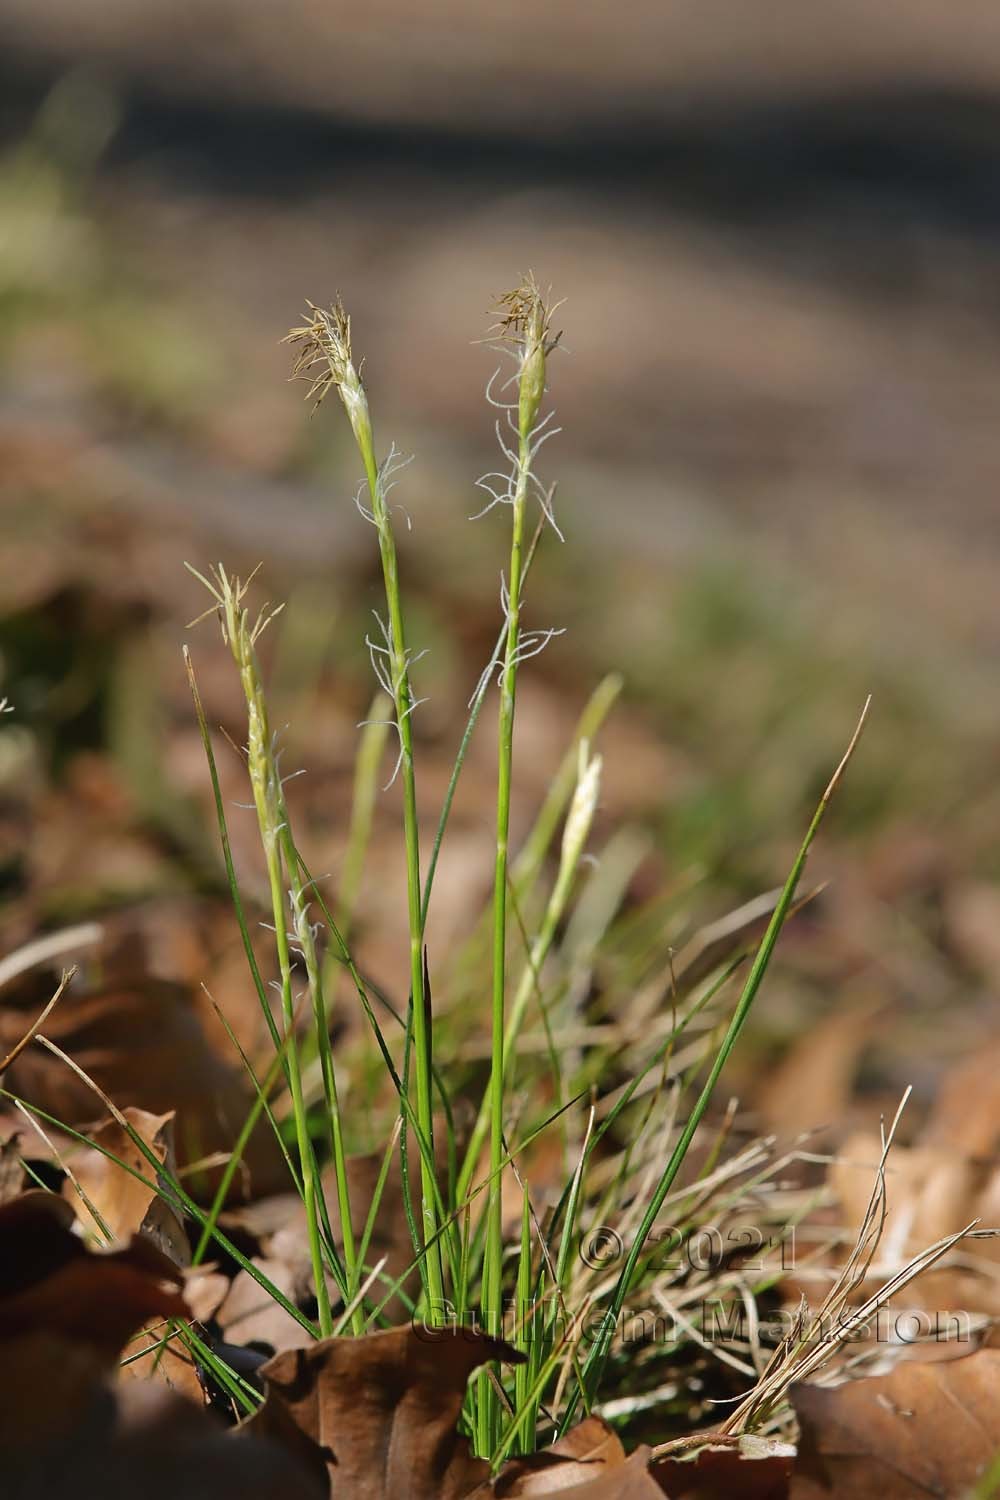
(775, 227)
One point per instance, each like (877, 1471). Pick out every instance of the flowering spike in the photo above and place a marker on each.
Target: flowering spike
(525, 326)
(326, 342)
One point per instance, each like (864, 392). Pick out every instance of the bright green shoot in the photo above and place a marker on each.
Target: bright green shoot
(524, 331)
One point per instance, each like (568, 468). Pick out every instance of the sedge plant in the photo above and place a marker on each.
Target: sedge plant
(470, 1268)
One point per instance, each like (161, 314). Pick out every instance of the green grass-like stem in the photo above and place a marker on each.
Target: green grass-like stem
(526, 325)
(326, 343)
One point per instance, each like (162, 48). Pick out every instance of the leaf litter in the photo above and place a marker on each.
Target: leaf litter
(373, 1415)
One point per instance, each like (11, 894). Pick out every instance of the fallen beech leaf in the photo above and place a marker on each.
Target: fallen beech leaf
(250, 1315)
(205, 1290)
(164, 1448)
(749, 1467)
(55, 1147)
(67, 1434)
(147, 1039)
(125, 1205)
(924, 1429)
(155, 1353)
(35, 1239)
(385, 1406)
(629, 1481)
(589, 1446)
(67, 1312)
(589, 1462)
(972, 917)
(931, 1190)
(50, 1281)
(46, 1384)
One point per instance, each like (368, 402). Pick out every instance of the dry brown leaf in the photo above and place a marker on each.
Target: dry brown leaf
(385, 1407)
(250, 1315)
(972, 917)
(50, 1281)
(65, 1431)
(67, 1434)
(47, 1384)
(924, 1429)
(124, 1204)
(749, 1467)
(928, 1187)
(586, 1448)
(205, 1290)
(156, 1353)
(589, 1462)
(631, 1480)
(931, 1190)
(145, 1045)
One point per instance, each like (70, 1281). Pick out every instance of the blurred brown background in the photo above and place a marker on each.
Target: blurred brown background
(774, 226)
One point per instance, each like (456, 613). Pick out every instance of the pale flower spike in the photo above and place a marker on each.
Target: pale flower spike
(583, 806)
(326, 342)
(524, 327)
(523, 331)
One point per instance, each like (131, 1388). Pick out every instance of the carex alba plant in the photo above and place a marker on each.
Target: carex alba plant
(325, 356)
(468, 1267)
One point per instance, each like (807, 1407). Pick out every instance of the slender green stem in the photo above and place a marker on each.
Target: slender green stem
(524, 1317)
(325, 341)
(492, 1265)
(524, 326)
(310, 1177)
(422, 1040)
(478, 699)
(227, 852)
(602, 1343)
(265, 786)
(286, 883)
(314, 975)
(401, 1084)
